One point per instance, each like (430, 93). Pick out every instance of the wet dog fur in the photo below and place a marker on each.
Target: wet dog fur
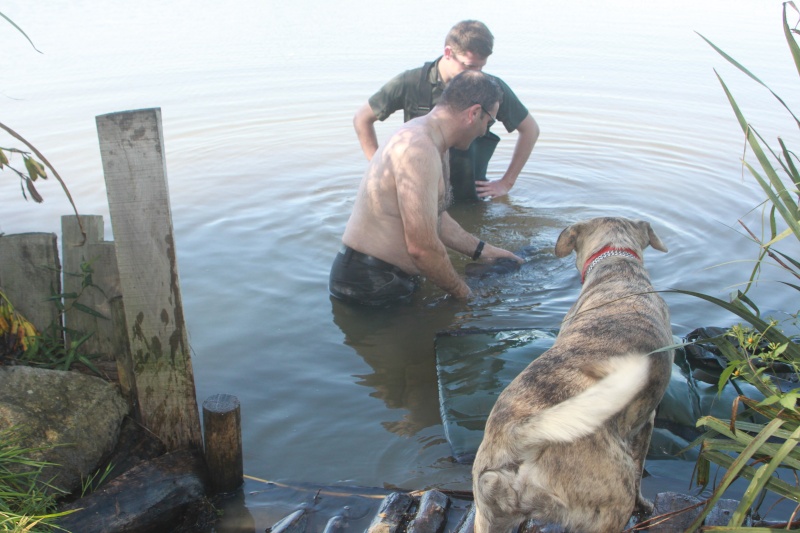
(566, 441)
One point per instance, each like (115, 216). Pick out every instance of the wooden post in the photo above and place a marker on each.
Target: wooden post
(222, 430)
(102, 259)
(132, 150)
(30, 274)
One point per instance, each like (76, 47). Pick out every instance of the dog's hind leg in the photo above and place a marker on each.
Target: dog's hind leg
(485, 522)
(639, 446)
(496, 502)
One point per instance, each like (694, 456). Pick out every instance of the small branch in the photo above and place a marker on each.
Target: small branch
(655, 520)
(20, 30)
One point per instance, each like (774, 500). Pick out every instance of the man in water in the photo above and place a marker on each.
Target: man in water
(399, 229)
(467, 47)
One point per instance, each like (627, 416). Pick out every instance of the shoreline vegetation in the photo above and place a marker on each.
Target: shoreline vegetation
(759, 441)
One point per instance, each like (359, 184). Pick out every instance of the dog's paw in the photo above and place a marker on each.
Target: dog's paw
(643, 508)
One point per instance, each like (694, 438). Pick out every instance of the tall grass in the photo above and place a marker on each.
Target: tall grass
(760, 442)
(24, 504)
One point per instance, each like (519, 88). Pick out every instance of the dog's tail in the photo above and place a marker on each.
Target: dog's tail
(583, 414)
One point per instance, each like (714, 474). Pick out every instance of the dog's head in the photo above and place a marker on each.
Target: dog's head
(588, 236)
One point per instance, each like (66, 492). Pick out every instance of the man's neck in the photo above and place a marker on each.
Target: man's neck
(441, 75)
(438, 120)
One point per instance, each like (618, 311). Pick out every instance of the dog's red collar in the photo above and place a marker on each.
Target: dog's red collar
(607, 251)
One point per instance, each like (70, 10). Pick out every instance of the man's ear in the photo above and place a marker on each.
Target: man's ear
(475, 112)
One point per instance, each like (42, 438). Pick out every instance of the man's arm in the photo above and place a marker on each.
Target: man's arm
(416, 166)
(528, 133)
(457, 238)
(364, 124)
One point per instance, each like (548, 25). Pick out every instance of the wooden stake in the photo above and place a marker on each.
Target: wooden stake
(223, 436)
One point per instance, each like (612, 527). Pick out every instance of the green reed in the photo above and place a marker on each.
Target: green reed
(759, 441)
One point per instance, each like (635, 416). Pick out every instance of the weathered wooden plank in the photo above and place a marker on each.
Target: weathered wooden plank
(122, 353)
(134, 164)
(30, 273)
(391, 513)
(432, 513)
(222, 431)
(102, 259)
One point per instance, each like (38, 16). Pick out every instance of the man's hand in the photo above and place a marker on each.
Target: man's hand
(528, 131)
(492, 189)
(491, 254)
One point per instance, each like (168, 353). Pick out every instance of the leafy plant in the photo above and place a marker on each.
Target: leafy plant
(16, 331)
(59, 347)
(759, 443)
(56, 346)
(93, 481)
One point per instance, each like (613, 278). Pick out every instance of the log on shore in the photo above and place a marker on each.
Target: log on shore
(294, 523)
(432, 513)
(337, 524)
(147, 498)
(391, 513)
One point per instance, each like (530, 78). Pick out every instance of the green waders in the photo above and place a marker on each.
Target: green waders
(466, 166)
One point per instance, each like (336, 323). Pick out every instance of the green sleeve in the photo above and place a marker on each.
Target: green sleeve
(511, 111)
(392, 96)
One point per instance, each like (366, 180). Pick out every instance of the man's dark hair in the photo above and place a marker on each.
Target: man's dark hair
(469, 88)
(470, 36)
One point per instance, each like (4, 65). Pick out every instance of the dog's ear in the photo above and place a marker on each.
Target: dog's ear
(655, 242)
(566, 241)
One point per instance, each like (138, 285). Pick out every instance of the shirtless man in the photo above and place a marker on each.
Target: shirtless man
(399, 229)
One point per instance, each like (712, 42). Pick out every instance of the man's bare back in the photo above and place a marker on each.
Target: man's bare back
(376, 228)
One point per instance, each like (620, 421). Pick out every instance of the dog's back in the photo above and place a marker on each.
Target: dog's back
(566, 440)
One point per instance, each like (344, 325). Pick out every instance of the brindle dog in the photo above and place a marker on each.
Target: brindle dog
(567, 439)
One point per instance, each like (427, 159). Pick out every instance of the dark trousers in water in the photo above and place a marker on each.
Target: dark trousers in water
(367, 280)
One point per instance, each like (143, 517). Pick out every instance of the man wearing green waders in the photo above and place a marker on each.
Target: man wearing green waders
(467, 47)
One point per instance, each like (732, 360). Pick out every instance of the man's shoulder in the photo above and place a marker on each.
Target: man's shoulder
(412, 76)
(400, 92)
(512, 111)
(413, 142)
(503, 85)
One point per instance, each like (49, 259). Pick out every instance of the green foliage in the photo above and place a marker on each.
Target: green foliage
(762, 449)
(93, 481)
(33, 171)
(24, 505)
(48, 349)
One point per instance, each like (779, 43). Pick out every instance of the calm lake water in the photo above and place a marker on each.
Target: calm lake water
(257, 99)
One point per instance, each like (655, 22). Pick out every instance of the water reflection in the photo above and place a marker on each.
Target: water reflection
(397, 343)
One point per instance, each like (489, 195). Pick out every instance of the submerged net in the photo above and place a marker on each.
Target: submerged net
(474, 366)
